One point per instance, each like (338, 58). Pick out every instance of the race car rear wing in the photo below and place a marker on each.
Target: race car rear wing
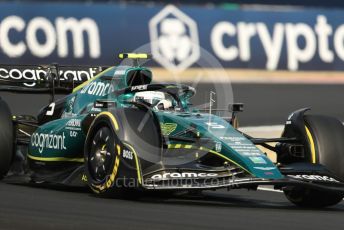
(45, 79)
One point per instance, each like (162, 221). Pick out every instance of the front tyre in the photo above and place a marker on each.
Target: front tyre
(309, 198)
(324, 142)
(102, 157)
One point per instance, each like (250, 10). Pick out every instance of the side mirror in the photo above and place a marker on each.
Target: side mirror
(236, 107)
(104, 104)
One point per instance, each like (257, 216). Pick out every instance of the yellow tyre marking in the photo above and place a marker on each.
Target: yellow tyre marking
(118, 150)
(112, 177)
(115, 123)
(311, 142)
(109, 182)
(112, 117)
(52, 159)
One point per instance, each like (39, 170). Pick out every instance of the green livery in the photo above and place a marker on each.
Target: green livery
(63, 139)
(120, 129)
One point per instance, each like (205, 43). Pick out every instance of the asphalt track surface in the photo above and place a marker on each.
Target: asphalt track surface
(25, 207)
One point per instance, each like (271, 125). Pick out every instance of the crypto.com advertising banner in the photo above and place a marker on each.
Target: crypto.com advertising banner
(298, 39)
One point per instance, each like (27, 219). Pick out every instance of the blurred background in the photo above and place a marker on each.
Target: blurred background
(274, 56)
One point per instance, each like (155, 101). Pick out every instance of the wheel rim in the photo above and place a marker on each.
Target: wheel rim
(101, 156)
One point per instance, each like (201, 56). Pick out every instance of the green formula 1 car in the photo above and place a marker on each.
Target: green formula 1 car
(119, 131)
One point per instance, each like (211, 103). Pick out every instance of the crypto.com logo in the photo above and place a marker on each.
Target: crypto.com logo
(174, 39)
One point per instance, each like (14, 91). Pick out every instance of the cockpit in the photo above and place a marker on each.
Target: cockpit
(159, 97)
(156, 99)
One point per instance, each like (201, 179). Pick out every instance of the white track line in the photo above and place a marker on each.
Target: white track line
(269, 189)
(267, 128)
(271, 128)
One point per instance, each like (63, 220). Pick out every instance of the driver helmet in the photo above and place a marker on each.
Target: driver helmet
(157, 99)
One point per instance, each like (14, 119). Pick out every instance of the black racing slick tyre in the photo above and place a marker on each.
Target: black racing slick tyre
(310, 198)
(325, 137)
(328, 142)
(102, 156)
(115, 144)
(6, 138)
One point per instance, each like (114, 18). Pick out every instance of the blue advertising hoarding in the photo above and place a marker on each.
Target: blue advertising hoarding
(290, 39)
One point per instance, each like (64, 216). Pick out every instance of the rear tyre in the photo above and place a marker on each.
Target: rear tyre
(325, 138)
(6, 138)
